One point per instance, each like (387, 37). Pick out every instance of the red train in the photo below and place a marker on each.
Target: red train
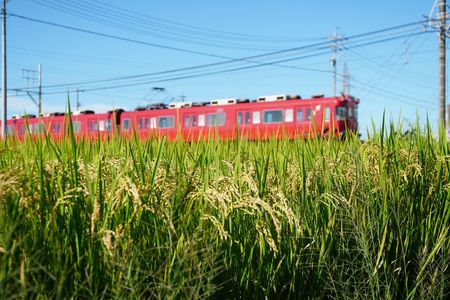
(262, 118)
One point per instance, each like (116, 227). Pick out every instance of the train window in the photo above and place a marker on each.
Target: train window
(166, 122)
(9, 129)
(76, 126)
(101, 125)
(308, 114)
(326, 116)
(273, 116)
(244, 118)
(126, 124)
(299, 115)
(217, 119)
(56, 128)
(256, 117)
(341, 113)
(352, 112)
(248, 118)
(93, 126)
(140, 123)
(20, 129)
(289, 115)
(153, 123)
(186, 121)
(108, 125)
(194, 121)
(39, 128)
(201, 120)
(146, 123)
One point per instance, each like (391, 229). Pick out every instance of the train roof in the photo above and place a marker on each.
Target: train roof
(260, 101)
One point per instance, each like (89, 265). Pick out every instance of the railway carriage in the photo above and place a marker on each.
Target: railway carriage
(277, 116)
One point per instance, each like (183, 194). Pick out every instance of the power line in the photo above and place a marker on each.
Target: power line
(72, 28)
(391, 93)
(246, 59)
(188, 76)
(180, 77)
(387, 95)
(228, 59)
(107, 35)
(395, 73)
(387, 66)
(120, 13)
(134, 25)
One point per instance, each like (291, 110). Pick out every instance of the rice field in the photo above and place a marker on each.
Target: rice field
(125, 218)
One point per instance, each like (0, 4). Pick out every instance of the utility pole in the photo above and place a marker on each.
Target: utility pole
(40, 90)
(4, 97)
(335, 37)
(442, 66)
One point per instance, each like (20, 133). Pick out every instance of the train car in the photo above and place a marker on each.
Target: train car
(150, 123)
(88, 124)
(275, 116)
(20, 125)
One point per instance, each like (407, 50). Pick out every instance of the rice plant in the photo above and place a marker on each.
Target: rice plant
(125, 218)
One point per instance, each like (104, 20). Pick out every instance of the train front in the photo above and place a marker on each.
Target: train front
(346, 115)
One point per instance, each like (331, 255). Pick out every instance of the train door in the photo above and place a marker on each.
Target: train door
(190, 126)
(321, 119)
(92, 126)
(244, 120)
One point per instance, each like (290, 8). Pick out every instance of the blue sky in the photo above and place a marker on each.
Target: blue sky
(399, 77)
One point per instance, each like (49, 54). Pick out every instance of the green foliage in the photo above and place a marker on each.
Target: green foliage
(124, 218)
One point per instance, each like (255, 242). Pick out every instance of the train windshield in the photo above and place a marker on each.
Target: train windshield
(353, 112)
(341, 113)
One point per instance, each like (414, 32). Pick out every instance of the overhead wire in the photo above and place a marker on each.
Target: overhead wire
(134, 26)
(390, 97)
(385, 67)
(246, 59)
(394, 74)
(392, 93)
(187, 76)
(173, 26)
(194, 75)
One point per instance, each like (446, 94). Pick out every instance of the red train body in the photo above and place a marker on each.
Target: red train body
(267, 117)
